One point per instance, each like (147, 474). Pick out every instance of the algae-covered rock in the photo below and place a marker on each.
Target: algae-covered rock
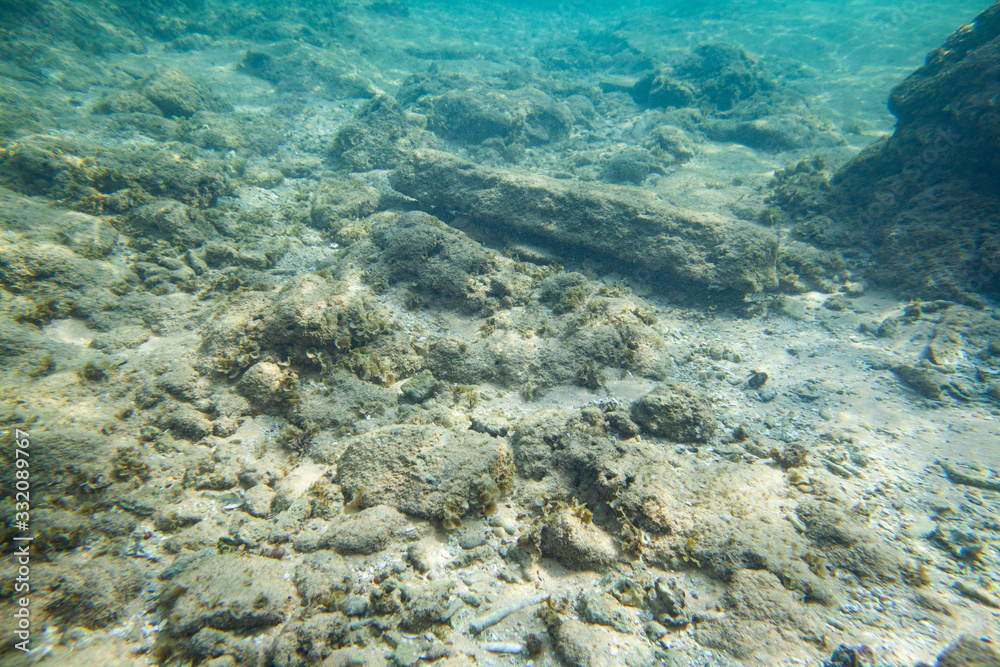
(176, 94)
(420, 387)
(683, 249)
(371, 139)
(677, 412)
(446, 266)
(420, 470)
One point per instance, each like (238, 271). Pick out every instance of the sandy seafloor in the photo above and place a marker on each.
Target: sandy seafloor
(813, 511)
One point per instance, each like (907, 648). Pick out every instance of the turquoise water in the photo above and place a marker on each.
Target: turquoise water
(388, 332)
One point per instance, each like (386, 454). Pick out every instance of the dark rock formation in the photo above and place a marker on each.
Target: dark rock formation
(925, 200)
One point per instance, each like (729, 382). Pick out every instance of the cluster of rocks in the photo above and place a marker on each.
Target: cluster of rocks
(283, 384)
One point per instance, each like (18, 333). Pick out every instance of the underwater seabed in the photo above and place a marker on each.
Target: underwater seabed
(398, 333)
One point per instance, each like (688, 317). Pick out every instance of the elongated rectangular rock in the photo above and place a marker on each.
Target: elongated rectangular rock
(683, 249)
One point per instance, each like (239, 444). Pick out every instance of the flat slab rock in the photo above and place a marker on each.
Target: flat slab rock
(370, 530)
(420, 469)
(230, 592)
(580, 644)
(687, 249)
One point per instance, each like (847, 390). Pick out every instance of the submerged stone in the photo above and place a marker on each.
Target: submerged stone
(677, 412)
(421, 470)
(684, 249)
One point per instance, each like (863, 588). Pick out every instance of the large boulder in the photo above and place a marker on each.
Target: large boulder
(925, 200)
(683, 249)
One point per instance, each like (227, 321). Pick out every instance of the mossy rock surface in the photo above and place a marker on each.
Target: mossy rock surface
(420, 387)
(175, 93)
(676, 412)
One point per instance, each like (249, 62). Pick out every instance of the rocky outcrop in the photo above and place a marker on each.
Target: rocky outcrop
(681, 249)
(925, 199)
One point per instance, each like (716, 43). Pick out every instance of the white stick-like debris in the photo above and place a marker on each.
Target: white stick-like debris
(503, 647)
(497, 614)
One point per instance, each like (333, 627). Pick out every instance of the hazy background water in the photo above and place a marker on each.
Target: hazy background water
(857, 50)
